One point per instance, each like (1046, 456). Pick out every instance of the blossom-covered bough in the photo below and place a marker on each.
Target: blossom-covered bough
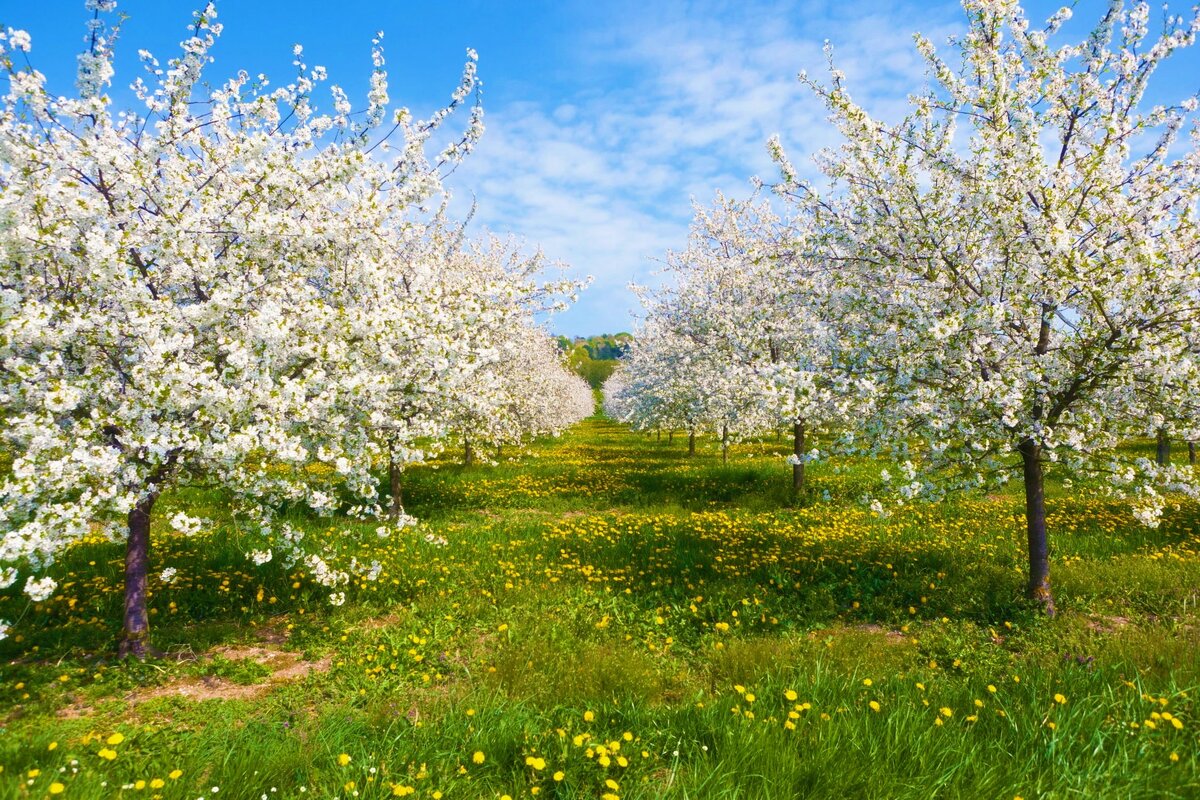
(225, 285)
(1017, 255)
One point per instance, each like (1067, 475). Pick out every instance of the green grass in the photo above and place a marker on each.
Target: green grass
(623, 612)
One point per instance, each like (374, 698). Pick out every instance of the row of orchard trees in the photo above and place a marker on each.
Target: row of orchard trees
(228, 286)
(715, 354)
(1005, 279)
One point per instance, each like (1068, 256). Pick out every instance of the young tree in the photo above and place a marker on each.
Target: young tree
(202, 289)
(1017, 251)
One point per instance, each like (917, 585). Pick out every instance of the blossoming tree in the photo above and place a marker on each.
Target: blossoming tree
(1018, 251)
(204, 288)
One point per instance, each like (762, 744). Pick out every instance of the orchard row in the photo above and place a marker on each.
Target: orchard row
(1006, 279)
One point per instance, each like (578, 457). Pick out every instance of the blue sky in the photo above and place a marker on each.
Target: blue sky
(605, 119)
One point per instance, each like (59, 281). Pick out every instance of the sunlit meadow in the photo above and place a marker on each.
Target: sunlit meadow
(601, 616)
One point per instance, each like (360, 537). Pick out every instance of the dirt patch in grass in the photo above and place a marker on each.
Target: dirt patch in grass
(276, 667)
(1107, 624)
(385, 621)
(891, 636)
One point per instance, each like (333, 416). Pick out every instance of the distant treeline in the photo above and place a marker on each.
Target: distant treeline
(595, 357)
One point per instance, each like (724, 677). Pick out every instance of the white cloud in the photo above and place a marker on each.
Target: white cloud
(679, 102)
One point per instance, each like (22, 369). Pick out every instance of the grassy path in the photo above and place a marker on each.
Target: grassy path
(603, 616)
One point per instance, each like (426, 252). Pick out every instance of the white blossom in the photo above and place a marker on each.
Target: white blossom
(39, 589)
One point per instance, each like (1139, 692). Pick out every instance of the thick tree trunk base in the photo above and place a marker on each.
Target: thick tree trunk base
(1038, 588)
(141, 650)
(1042, 595)
(135, 636)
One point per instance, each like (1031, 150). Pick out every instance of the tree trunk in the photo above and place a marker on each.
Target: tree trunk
(658, 433)
(135, 638)
(395, 487)
(670, 437)
(1035, 523)
(1192, 453)
(798, 451)
(1162, 453)
(724, 444)
(468, 453)
(691, 443)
